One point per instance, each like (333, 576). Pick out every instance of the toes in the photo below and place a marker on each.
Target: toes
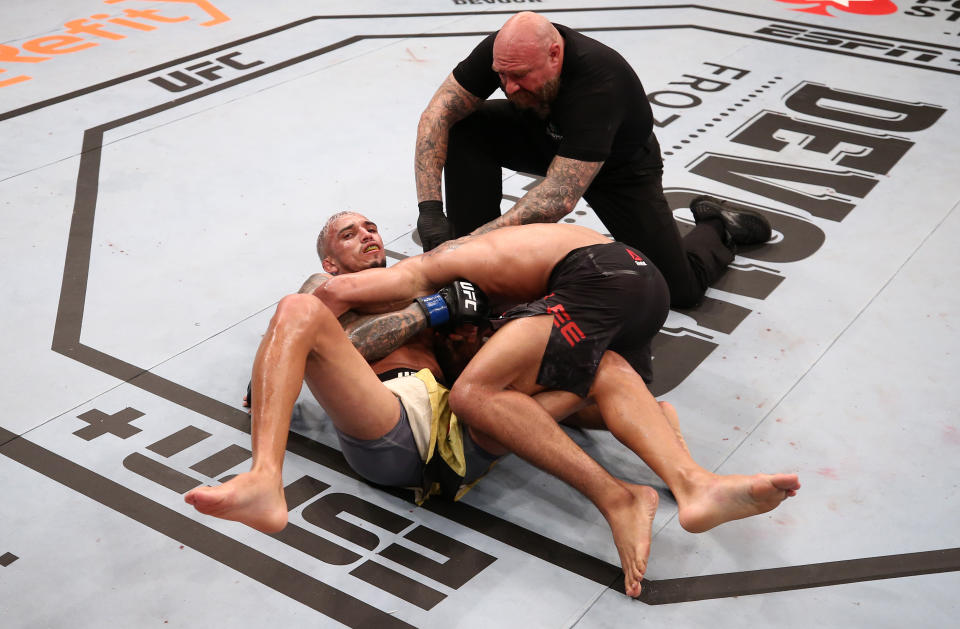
(633, 584)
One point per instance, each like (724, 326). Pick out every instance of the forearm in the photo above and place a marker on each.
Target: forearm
(431, 155)
(374, 290)
(553, 198)
(543, 204)
(450, 104)
(377, 335)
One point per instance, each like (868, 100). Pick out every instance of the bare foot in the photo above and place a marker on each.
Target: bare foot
(253, 499)
(726, 498)
(632, 525)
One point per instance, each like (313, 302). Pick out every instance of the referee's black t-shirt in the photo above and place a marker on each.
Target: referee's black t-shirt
(601, 110)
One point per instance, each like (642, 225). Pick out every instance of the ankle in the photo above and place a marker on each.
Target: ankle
(266, 473)
(690, 482)
(716, 224)
(616, 498)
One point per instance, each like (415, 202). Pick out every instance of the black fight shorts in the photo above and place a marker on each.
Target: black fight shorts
(602, 297)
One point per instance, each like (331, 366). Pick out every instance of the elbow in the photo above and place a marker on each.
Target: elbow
(329, 295)
(429, 122)
(560, 208)
(566, 200)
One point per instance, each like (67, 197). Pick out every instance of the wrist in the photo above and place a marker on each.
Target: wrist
(430, 206)
(435, 308)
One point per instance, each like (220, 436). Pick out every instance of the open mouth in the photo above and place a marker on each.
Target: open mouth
(370, 248)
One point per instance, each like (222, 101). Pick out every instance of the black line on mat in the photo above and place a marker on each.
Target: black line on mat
(800, 577)
(66, 340)
(162, 66)
(324, 598)
(258, 566)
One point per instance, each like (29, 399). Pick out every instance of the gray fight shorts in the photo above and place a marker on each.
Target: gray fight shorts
(393, 459)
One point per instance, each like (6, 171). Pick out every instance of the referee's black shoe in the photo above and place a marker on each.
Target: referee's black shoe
(742, 226)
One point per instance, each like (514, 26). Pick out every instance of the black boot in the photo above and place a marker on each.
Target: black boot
(742, 226)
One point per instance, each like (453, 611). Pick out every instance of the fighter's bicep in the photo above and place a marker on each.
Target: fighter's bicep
(461, 258)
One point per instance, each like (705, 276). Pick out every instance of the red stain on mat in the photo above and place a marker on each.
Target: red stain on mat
(951, 435)
(414, 57)
(828, 472)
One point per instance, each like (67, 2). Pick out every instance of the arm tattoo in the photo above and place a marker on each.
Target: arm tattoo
(375, 336)
(553, 198)
(449, 104)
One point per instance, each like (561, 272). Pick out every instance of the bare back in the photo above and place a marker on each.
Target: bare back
(510, 263)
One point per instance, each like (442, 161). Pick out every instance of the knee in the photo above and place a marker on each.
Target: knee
(463, 399)
(614, 373)
(685, 297)
(464, 129)
(302, 313)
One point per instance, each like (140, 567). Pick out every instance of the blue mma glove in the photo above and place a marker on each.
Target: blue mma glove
(460, 302)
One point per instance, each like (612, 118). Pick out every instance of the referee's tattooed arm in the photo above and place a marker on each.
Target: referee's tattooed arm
(449, 104)
(551, 199)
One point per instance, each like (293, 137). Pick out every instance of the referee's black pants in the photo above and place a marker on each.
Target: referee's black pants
(627, 197)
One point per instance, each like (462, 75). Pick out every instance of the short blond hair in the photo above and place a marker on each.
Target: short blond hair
(325, 232)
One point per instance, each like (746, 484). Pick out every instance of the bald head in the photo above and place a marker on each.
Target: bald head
(527, 35)
(528, 57)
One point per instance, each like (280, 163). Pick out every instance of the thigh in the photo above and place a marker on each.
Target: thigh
(391, 460)
(348, 389)
(631, 204)
(511, 358)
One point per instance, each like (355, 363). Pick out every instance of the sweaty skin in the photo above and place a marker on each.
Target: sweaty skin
(494, 392)
(305, 342)
(529, 252)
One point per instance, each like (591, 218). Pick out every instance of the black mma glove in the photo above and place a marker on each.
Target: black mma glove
(460, 302)
(432, 225)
